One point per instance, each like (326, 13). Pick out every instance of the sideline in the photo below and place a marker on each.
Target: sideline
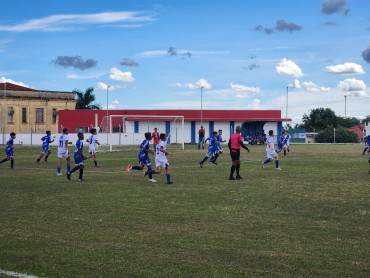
(16, 274)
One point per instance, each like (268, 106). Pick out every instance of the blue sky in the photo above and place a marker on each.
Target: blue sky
(157, 54)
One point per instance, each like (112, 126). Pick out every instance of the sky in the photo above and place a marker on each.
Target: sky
(159, 54)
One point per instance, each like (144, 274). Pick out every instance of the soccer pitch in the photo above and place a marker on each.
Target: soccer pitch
(309, 220)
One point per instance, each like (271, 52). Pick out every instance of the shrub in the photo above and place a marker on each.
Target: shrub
(342, 135)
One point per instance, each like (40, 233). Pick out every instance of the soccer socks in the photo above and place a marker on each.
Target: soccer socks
(68, 168)
(151, 172)
(277, 163)
(96, 163)
(150, 176)
(215, 158)
(74, 169)
(232, 170)
(4, 160)
(267, 161)
(168, 177)
(204, 160)
(237, 169)
(136, 168)
(38, 160)
(59, 170)
(81, 173)
(364, 151)
(46, 157)
(12, 163)
(284, 152)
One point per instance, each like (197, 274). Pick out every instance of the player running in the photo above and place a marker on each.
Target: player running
(144, 157)
(288, 137)
(212, 149)
(63, 150)
(79, 158)
(367, 144)
(270, 150)
(282, 144)
(46, 140)
(9, 153)
(218, 147)
(93, 141)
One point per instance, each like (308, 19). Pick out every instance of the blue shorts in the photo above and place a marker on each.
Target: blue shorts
(368, 144)
(145, 160)
(9, 152)
(77, 159)
(211, 151)
(218, 148)
(45, 149)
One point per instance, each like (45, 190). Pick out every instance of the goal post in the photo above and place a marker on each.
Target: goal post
(129, 129)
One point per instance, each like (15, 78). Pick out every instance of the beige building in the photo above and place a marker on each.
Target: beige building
(25, 110)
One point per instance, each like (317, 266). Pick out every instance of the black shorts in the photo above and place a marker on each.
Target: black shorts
(235, 154)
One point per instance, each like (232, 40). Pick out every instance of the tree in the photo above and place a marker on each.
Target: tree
(348, 122)
(319, 119)
(366, 120)
(342, 135)
(85, 100)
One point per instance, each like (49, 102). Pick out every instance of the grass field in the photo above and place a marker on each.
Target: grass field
(309, 220)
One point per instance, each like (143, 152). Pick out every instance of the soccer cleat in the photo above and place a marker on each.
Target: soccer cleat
(45, 160)
(68, 175)
(277, 169)
(263, 165)
(145, 173)
(59, 174)
(97, 166)
(36, 162)
(239, 178)
(201, 164)
(214, 162)
(81, 180)
(231, 178)
(129, 168)
(151, 180)
(169, 182)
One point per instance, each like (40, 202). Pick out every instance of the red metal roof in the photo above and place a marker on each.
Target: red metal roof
(86, 118)
(11, 86)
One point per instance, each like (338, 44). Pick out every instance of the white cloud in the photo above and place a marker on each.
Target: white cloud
(346, 68)
(242, 96)
(295, 85)
(65, 22)
(116, 74)
(312, 87)
(242, 88)
(353, 86)
(178, 84)
(255, 104)
(90, 76)
(288, 67)
(103, 86)
(199, 84)
(5, 80)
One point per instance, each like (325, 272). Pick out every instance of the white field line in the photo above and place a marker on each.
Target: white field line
(16, 274)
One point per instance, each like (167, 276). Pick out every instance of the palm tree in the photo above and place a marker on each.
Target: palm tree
(84, 100)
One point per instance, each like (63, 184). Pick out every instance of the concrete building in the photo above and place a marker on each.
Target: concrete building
(131, 130)
(25, 110)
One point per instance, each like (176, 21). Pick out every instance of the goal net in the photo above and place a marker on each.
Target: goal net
(125, 132)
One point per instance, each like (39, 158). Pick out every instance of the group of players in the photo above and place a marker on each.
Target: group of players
(159, 140)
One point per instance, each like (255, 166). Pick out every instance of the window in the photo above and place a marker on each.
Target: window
(55, 114)
(24, 115)
(10, 114)
(39, 115)
(82, 129)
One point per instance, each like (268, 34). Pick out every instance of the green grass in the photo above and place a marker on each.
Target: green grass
(309, 220)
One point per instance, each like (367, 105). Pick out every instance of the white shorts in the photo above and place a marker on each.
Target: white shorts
(92, 151)
(163, 163)
(271, 154)
(61, 155)
(287, 143)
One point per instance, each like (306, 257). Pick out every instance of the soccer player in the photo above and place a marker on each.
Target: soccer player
(270, 150)
(235, 142)
(93, 140)
(46, 140)
(161, 160)
(9, 153)
(219, 140)
(79, 158)
(155, 137)
(282, 144)
(212, 148)
(288, 137)
(367, 144)
(63, 150)
(144, 157)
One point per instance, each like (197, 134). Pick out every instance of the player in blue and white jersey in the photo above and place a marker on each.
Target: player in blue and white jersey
(79, 158)
(282, 144)
(288, 137)
(93, 141)
(212, 149)
(161, 159)
(367, 144)
(9, 153)
(144, 157)
(46, 140)
(63, 150)
(219, 140)
(270, 150)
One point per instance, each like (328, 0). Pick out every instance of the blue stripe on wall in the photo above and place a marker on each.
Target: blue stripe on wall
(193, 132)
(168, 131)
(280, 129)
(211, 128)
(136, 127)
